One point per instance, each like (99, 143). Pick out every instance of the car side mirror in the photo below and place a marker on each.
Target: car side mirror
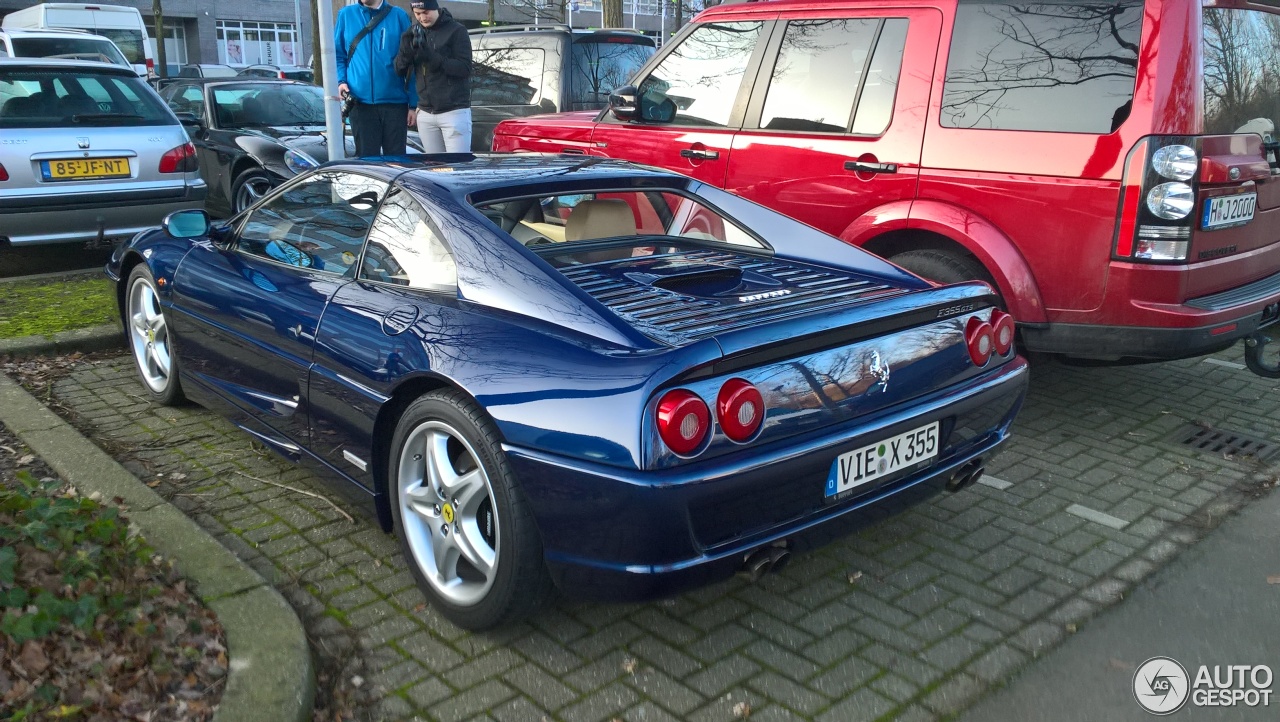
(186, 224)
(622, 102)
(191, 122)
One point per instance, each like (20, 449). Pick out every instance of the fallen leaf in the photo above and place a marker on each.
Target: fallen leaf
(33, 657)
(420, 608)
(153, 484)
(1071, 628)
(1119, 664)
(1273, 579)
(26, 460)
(742, 710)
(629, 665)
(854, 576)
(357, 681)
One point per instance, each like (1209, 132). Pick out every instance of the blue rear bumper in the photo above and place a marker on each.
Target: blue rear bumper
(617, 534)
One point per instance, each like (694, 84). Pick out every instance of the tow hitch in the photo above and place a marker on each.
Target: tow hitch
(1259, 360)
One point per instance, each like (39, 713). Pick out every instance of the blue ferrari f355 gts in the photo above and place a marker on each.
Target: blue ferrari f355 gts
(571, 371)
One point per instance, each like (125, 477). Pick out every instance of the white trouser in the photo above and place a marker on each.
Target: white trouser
(445, 132)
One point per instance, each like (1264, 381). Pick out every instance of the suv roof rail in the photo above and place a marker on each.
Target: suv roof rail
(518, 28)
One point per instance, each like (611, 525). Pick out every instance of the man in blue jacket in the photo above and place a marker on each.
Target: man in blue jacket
(386, 104)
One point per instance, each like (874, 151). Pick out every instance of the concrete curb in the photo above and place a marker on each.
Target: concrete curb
(271, 677)
(94, 338)
(51, 276)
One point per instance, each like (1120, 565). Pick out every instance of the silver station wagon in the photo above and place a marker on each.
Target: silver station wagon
(88, 152)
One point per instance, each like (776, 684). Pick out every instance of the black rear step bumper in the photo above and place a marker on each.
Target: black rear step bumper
(1131, 343)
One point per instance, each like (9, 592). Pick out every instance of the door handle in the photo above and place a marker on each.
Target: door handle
(861, 166)
(573, 151)
(700, 154)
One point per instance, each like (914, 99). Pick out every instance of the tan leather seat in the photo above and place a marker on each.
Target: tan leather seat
(602, 218)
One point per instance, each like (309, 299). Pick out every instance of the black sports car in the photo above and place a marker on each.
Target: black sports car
(252, 134)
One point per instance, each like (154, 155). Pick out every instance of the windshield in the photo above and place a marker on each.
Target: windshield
(130, 43)
(1241, 72)
(268, 104)
(599, 67)
(75, 48)
(79, 98)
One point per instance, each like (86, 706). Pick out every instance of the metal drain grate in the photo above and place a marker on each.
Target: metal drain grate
(1229, 443)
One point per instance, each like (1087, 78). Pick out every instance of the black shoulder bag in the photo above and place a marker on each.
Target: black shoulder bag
(350, 101)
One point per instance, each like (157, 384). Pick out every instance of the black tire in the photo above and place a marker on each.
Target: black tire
(150, 339)
(942, 266)
(248, 187)
(517, 582)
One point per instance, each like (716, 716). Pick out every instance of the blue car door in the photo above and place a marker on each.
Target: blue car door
(371, 336)
(247, 315)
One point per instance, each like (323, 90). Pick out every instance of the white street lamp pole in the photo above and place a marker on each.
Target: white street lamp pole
(332, 107)
(297, 32)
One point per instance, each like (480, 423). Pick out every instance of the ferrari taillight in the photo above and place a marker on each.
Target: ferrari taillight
(683, 421)
(1002, 331)
(978, 336)
(739, 409)
(4, 174)
(179, 160)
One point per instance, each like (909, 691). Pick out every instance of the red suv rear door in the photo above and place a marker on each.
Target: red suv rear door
(834, 127)
(703, 74)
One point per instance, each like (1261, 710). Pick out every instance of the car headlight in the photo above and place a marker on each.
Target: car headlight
(298, 161)
(1171, 201)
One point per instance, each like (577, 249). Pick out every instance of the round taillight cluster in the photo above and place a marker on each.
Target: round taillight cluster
(986, 339)
(684, 421)
(739, 409)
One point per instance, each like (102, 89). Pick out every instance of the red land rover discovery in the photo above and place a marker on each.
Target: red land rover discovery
(1109, 165)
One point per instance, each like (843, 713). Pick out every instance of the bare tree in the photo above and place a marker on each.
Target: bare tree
(157, 11)
(611, 13)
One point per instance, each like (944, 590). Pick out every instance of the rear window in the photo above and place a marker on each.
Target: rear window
(74, 48)
(507, 76)
(1064, 67)
(1241, 71)
(62, 99)
(643, 218)
(600, 65)
(130, 43)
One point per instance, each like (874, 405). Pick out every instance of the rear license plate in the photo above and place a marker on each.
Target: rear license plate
(879, 460)
(85, 169)
(1226, 211)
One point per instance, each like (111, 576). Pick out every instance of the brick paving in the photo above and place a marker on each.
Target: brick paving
(911, 619)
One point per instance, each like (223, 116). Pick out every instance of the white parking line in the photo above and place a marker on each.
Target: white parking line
(1096, 516)
(994, 483)
(1228, 364)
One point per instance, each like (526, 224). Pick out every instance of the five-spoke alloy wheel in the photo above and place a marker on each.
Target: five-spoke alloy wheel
(249, 187)
(462, 522)
(150, 338)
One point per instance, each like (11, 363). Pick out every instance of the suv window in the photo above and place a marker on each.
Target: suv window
(1241, 71)
(598, 65)
(822, 71)
(318, 224)
(507, 76)
(76, 98)
(701, 75)
(1067, 67)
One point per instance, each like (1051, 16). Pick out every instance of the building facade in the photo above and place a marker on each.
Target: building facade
(278, 32)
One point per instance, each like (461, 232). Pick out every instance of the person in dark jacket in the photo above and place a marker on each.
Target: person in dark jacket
(437, 51)
(385, 103)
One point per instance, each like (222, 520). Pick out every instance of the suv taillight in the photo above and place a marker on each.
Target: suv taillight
(180, 160)
(1158, 200)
